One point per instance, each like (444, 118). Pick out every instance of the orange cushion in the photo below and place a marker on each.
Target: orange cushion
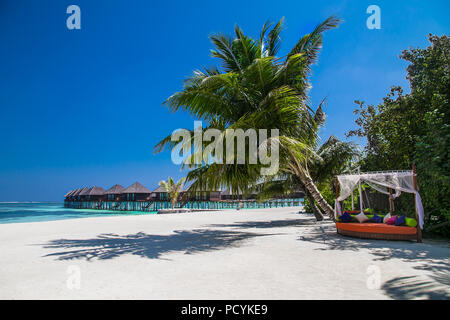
(375, 228)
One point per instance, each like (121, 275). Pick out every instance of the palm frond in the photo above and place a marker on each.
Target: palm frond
(262, 39)
(311, 43)
(274, 40)
(224, 51)
(320, 116)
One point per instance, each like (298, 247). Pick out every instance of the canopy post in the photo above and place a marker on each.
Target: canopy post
(336, 191)
(360, 194)
(419, 231)
(336, 186)
(353, 203)
(391, 202)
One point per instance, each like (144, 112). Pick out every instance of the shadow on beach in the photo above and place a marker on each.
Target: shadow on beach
(412, 287)
(305, 221)
(109, 246)
(430, 256)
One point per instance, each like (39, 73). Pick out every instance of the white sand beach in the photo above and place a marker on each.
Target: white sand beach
(249, 254)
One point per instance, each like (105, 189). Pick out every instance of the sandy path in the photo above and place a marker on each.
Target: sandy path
(251, 254)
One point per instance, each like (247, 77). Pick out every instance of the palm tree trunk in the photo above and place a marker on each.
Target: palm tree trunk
(315, 210)
(315, 194)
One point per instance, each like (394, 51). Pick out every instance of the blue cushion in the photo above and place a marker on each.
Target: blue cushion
(346, 217)
(376, 219)
(400, 221)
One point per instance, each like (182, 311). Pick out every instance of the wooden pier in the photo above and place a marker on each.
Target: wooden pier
(154, 206)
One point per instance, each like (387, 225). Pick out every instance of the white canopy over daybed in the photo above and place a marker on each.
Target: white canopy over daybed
(382, 181)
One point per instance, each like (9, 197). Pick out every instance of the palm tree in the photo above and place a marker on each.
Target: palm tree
(172, 188)
(253, 88)
(331, 157)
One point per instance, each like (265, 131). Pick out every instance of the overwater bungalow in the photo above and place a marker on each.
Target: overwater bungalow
(96, 194)
(68, 195)
(138, 198)
(83, 195)
(75, 195)
(73, 199)
(114, 193)
(136, 192)
(159, 194)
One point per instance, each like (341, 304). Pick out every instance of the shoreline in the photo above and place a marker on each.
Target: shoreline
(101, 213)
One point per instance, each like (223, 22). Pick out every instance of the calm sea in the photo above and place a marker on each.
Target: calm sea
(34, 212)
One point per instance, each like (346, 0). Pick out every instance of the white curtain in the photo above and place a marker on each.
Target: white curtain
(383, 189)
(381, 181)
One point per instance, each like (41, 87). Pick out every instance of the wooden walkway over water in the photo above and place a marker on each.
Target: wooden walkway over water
(152, 206)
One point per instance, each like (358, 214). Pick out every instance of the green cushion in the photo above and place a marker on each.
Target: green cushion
(411, 222)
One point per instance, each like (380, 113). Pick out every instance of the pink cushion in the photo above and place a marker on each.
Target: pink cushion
(391, 220)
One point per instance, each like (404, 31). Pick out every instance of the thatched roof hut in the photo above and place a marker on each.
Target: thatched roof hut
(82, 190)
(136, 188)
(85, 191)
(96, 191)
(76, 192)
(159, 194)
(136, 192)
(115, 189)
(69, 193)
(159, 190)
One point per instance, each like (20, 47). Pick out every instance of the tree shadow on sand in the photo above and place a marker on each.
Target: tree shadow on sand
(403, 288)
(109, 246)
(268, 224)
(430, 256)
(304, 222)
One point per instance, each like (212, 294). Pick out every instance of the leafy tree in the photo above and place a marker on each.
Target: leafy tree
(253, 88)
(173, 189)
(414, 127)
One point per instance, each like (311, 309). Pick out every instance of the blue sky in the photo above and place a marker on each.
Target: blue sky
(84, 107)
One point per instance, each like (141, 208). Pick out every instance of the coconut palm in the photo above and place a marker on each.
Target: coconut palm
(173, 189)
(332, 156)
(253, 88)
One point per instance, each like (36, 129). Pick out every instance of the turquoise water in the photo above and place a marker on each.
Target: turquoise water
(35, 212)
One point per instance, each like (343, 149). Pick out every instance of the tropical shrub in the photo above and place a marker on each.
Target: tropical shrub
(415, 128)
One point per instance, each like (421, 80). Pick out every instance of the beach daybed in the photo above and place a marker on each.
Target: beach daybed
(385, 182)
(376, 231)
